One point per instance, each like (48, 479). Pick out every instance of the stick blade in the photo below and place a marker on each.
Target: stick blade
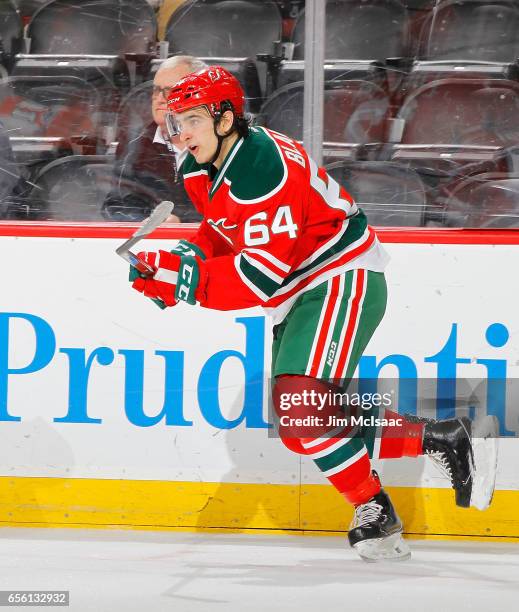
(159, 214)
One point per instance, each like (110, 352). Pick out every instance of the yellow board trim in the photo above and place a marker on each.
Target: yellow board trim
(238, 508)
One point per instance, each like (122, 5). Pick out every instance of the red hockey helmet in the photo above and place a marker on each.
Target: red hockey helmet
(208, 87)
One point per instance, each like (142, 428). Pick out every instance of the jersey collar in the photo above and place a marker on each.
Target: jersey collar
(225, 166)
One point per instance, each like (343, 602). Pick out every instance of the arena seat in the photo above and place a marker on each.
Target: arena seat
(70, 189)
(231, 28)
(452, 126)
(108, 74)
(419, 4)
(389, 194)
(30, 151)
(367, 30)
(46, 121)
(480, 30)
(424, 71)
(88, 40)
(31, 154)
(134, 113)
(355, 112)
(9, 172)
(37, 106)
(418, 13)
(11, 33)
(489, 200)
(100, 27)
(292, 71)
(27, 8)
(463, 112)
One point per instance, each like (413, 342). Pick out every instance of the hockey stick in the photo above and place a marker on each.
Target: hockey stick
(157, 217)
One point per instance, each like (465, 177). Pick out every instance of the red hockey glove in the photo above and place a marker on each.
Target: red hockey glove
(134, 273)
(160, 287)
(176, 278)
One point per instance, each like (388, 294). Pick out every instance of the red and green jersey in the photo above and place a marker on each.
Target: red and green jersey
(275, 225)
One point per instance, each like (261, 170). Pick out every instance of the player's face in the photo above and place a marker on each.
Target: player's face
(162, 85)
(196, 131)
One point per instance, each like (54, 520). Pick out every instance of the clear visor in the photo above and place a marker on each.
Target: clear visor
(172, 126)
(190, 120)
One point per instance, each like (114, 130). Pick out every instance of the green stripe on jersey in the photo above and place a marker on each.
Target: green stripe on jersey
(258, 278)
(355, 229)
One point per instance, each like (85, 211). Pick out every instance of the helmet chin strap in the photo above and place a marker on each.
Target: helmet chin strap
(220, 141)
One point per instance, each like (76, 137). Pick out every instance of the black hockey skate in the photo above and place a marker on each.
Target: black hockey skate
(466, 453)
(376, 531)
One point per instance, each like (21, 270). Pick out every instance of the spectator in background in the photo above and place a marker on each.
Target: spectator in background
(146, 170)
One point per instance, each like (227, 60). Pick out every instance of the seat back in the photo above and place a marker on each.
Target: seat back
(134, 114)
(108, 75)
(9, 172)
(38, 106)
(371, 29)
(489, 200)
(11, 32)
(389, 194)
(27, 8)
(483, 112)
(292, 71)
(483, 30)
(101, 27)
(354, 112)
(71, 189)
(224, 28)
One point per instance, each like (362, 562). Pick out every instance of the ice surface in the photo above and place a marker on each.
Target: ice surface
(158, 571)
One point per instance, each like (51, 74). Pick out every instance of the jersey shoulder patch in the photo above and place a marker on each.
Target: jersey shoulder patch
(258, 170)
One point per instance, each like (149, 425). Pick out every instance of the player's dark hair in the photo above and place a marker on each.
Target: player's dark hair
(240, 124)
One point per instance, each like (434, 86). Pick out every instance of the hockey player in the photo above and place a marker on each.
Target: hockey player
(278, 231)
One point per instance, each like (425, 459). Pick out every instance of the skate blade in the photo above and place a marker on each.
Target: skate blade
(391, 548)
(485, 449)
